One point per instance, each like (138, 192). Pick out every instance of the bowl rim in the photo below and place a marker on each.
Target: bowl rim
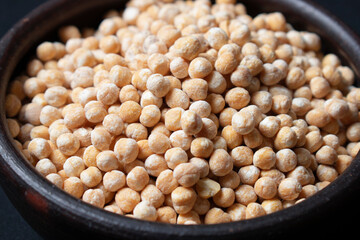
(14, 166)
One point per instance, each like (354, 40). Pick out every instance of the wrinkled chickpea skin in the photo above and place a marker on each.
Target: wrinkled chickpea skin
(201, 115)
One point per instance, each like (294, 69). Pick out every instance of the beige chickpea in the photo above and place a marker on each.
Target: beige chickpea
(319, 87)
(209, 129)
(242, 156)
(175, 156)
(195, 88)
(224, 198)
(216, 82)
(285, 138)
(39, 147)
(183, 199)
(101, 138)
(126, 150)
(237, 98)
(74, 186)
(216, 101)
(313, 141)
(286, 160)
(129, 93)
(265, 187)
(179, 67)
(202, 147)
(200, 68)
(107, 161)
(264, 158)
(166, 182)
(300, 106)
(173, 118)
(12, 105)
(270, 74)
(187, 47)
(166, 215)
(253, 139)
(289, 189)
(130, 111)
(226, 115)
(145, 211)
(126, 199)
(94, 197)
(202, 108)
(14, 128)
(243, 121)
(114, 180)
(45, 167)
(91, 177)
(237, 212)
(353, 131)
(342, 163)
(245, 194)
(137, 178)
(326, 155)
(226, 63)
(318, 117)
(220, 162)
(207, 188)
(158, 85)
(269, 126)
(155, 164)
(113, 124)
(73, 166)
(249, 174)
(263, 100)
(191, 123)
(55, 179)
(158, 143)
(281, 104)
(187, 174)
(326, 173)
(177, 98)
(159, 63)
(216, 215)
(180, 139)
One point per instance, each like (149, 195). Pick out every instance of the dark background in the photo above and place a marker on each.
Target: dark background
(13, 227)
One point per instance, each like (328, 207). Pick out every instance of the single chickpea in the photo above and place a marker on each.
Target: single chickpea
(326, 155)
(166, 215)
(264, 158)
(289, 189)
(145, 211)
(46, 51)
(220, 162)
(318, 117)
(186, 174)
(245, 194)
(226, 63)
(126, 150)
(73, 166)
(286, 160)
(342, 163)
(175, 156)
(155, 164)
(253, 139)
(319, 87)
(129, 93)
(242, 156)
(187, 47)
(158, 143)
(207, 188)
(249, 174)
(243, 121)
(216, 101)
(237, 98)
(313, 141)
(237, 212)
(173, 118)
(166, 182)
(126, 199)
(39, 148)
(353, 132)
(114, 180)
(285, 138)
(269, 126)
(195, 88)
(216, 37)
(158, 85)
(101, 138)
(326, 173)
(183, 199)
(201, 147)
(270, 74)
(137, 178)
(209, 129)
(226, 115)
(216, 82)
(130, 111)
(55, 179)
(179, 67)
(281, 104)
(265, 187)
(200, 68)
(45, 167)
(216, 215)
(191, 123)
(74, 186)
(91, 177)
(224, 198)
(181, 139)
(14, 129)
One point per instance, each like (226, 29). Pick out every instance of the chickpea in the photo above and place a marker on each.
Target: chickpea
(180, 139)
(200, 68)
(269, 126)
(220, 163)
(216, 82)
(195, 88)
(183, 199)
(216, 215)
(137, 178)
(237, 98)
(285, 138)
(243, 121)
(126, 150)
(126, 199)
(187, 47)
(155, 164)
(74, 186)
(264, 158)
(187, 174)
(91, 177)
(179, 67)
(114, 180)
(326, 173)
(166, 215)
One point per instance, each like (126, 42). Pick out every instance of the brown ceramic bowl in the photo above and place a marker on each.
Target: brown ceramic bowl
(54, 213)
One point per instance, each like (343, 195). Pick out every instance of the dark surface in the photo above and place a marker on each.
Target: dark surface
(12, 226)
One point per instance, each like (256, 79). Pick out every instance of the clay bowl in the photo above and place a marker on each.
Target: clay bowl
(55, 214)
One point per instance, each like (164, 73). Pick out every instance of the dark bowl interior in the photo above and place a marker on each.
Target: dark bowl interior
(54, 213)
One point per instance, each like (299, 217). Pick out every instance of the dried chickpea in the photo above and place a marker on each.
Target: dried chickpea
(45, 167)
(216, 215)
(183, 199)
(130, 111)
(91, 177)
(289, 189)
(126, 150)
(285, 138)
(187, 47)
(155, 164)
(74, 186)
(145, 211)
(237, 98)
(126, 199)
(264, 158)
(186, 174)
(114, 180)
(73, 166)
(201, 147)
(220, 162)
(39, 148)
(180, 139)
(137, 178)
(195, 88)
(243, 121)
(175, 156)
(269, 126)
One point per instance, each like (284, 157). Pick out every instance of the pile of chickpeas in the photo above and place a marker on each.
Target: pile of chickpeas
(186, 113)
